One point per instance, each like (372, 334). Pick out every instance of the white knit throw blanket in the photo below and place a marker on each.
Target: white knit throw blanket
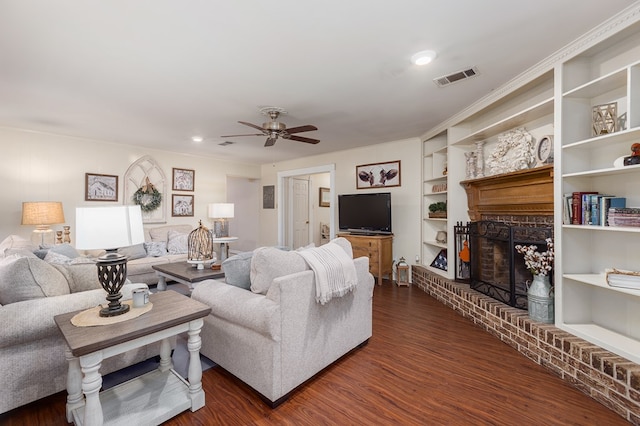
(334, 269)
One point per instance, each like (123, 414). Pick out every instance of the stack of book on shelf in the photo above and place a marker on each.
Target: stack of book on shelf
(590, 208)
(623, 279)
(624, 216)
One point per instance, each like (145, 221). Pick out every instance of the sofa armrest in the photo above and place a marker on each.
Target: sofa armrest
(240, 306)
(31, 320)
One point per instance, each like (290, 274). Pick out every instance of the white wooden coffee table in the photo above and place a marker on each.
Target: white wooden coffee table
(148, 399)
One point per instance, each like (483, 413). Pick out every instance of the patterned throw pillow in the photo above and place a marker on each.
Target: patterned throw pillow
(177, 243)
(156, 248)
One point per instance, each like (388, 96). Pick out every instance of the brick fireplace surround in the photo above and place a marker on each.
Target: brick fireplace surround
(606, 377)
(525, 198)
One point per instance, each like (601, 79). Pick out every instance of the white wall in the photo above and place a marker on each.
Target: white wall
(406, 199)
(40, 167)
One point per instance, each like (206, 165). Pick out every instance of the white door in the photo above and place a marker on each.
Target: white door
(300, 212)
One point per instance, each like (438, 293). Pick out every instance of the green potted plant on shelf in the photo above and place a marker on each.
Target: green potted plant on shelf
(438, 210)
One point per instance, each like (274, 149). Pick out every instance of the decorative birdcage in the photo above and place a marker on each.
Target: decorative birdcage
(200, 246)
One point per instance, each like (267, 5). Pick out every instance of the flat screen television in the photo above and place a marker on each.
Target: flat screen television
(368, 213)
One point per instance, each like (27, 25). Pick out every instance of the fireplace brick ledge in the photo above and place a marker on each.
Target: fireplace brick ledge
(610, 379)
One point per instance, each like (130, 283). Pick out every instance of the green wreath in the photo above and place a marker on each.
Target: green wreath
(147, 197)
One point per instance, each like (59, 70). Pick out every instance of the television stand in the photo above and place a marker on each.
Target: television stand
(378, 248)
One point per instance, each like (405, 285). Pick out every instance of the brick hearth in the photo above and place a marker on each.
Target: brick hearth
(606, 377)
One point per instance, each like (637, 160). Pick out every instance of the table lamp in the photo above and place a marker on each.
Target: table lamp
(42, 214)
(220, 213)
(110, 228)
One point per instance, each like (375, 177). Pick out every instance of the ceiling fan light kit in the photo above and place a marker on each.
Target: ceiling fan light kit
(274, 129)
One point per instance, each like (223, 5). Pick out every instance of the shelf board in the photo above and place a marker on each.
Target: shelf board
(435, 243)
(532, 113)
(615, 342)
(440, 179)
(599, 280)
(435, 193)
(604, 172)
(436, 219)
(599, 86)
(610, 138)
(602, 228)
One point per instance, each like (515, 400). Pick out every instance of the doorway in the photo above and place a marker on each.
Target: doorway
(287, 199)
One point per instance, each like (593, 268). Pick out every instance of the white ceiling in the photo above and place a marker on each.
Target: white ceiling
(155, 72)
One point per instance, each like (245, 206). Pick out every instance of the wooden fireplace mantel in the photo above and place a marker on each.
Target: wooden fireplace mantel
(525, 192)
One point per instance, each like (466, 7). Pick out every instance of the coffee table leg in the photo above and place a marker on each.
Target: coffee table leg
(195, 367)
(162, 283)
(91, 384)
(75, 398)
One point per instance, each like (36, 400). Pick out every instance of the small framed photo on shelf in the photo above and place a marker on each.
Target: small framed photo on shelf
(184, 179)
(100, 187)
(324, 197)
(378, 175)
(604, 119)
(181, 205)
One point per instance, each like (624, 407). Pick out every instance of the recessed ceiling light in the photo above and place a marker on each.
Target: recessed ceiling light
(424, 57)
(197, 139)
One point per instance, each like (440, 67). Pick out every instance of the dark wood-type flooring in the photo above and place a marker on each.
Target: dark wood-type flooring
(424, 365)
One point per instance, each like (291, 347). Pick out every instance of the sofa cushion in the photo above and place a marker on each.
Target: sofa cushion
(24, 278)
(237, 270)
(80, 276)
(16, 242)
(65, 249)
(156, 248)
(136, 251)
(161, 233)
(177, 242)
(268, 263)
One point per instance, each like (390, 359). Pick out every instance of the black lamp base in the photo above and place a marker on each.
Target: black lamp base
(112, 274)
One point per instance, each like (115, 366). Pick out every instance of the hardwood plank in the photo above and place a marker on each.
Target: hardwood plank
(425, 364)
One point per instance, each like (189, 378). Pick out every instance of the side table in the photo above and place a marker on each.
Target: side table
(224, 246)
(151, 398)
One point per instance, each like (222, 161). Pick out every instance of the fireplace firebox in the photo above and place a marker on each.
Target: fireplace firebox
(496, 268)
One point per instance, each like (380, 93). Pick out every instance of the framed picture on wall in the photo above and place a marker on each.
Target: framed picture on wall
(183, 179)
(378, 175)
(324, 197)
(181, 205)
(100, 187)
(268, 196)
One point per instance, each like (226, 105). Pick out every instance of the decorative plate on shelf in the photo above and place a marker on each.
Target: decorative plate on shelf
(514, 152)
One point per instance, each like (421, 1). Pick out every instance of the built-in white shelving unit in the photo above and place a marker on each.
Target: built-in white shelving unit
(557, 98)
(586, 306)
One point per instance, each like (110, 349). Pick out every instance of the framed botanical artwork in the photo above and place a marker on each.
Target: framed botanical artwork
(184, 179)
(378, 175)
(181, 205)
(324, 197)
(100, 187)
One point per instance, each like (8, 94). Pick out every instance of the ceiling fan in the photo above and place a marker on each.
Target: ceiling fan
(274, 129)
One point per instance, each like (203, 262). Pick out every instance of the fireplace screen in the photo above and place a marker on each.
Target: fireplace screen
(496, 268)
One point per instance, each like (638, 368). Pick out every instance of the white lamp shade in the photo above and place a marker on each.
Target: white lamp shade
(108, 227)
(221, 210)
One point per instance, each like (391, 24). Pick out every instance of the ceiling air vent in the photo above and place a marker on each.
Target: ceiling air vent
(456, 76)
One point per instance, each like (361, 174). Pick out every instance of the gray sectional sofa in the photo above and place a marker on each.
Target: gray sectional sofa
(37, 285)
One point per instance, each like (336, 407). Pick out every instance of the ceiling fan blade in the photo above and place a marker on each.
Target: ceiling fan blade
(300, 129)
(302, 139)
(233, 136)
(270, 141)
(255, 126)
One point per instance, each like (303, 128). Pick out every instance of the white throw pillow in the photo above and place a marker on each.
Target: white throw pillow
(177, 242)
(268, 263)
